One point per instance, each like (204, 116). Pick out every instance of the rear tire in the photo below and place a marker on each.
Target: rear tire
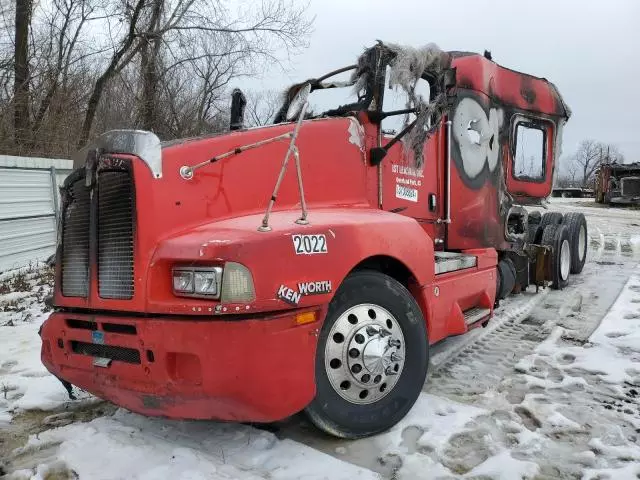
(535, 233)
(534, 217)
(577, 225)
(506, 278)
(557, 237)
(384, 353)
(551, 218)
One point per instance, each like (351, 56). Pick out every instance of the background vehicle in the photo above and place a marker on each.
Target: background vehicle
(618, 183)
(194, 284)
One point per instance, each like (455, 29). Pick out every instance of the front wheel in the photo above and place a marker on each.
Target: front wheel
(372, 357)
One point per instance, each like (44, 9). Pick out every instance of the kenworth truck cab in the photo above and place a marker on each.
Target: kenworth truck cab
(308, 265)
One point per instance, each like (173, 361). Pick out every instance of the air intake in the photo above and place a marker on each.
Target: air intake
(75, 241)
(115, 234)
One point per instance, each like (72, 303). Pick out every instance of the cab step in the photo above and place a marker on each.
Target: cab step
(476, 314)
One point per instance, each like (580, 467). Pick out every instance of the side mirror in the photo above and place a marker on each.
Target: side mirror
(295, 107)
(238, 102)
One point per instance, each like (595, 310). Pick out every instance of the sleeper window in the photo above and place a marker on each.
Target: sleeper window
(529, 159)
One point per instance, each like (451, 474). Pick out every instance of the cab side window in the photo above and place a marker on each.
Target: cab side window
(530, 154)
(396, 98)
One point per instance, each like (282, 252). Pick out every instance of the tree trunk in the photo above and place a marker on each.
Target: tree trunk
(120, 59)
(149, 59)
(21, 72)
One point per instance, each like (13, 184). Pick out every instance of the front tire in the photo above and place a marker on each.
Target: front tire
(372, 357)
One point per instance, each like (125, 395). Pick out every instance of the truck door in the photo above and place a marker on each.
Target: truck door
(412, 186)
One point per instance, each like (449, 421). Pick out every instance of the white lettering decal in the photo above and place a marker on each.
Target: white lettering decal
(315, 288)
(406, 170)
(288, 295)
(309, 244)
(295, 297)
(409, 181)
(406, 193)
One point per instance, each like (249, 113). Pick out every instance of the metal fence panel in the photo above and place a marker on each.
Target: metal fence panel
(25, 193)
(25, 240)
(29, 199)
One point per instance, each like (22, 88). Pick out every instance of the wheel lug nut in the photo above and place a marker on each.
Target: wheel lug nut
(395, 357)
(384, 333)
(389, 371)
(371, 331)
(394, 342)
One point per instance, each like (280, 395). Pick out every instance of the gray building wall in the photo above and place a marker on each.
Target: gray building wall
(29, 197)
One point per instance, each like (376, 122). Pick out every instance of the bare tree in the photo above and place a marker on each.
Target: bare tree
(186, 30)
(21, 71)
(149, 59)
(262, 107)
(64, 25)
(590, 155)
(161, 65)
(124, 51)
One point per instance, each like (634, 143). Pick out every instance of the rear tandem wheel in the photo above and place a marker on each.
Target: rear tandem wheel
(559, 263)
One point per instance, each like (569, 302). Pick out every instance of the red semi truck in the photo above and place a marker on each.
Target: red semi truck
(309, 265)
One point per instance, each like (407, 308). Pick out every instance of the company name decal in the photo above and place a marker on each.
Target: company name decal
(289, 295)
(315, 288)
(293, 297)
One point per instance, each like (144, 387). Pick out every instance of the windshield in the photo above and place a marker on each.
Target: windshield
(333, 94)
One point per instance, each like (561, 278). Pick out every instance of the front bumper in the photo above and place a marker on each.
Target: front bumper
(258, 370)
(625, 200)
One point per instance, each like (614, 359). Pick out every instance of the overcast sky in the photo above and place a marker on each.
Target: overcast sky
(589, 49)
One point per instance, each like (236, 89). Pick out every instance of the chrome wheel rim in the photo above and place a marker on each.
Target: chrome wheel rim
(565, 259)
(364, 354)
(582, 243)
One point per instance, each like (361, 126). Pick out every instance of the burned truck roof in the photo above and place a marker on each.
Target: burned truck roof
(621, 167)
(507, 86)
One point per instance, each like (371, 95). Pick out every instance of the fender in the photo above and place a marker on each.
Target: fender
(285, 275)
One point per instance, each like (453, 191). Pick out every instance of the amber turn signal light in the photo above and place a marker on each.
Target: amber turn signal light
(306, 317)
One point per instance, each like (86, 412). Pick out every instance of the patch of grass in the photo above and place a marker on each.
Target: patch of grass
(20, 283)
(5, 286)
(11, 306)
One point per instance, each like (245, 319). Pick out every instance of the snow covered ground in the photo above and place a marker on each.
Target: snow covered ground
(549, 390)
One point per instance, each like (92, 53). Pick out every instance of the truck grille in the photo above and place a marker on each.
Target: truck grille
(630, 186)
(104, 237)
(115, 235)
(121, 354)
(75, 242)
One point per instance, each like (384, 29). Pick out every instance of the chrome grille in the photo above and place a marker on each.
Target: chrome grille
(115, 234)
(121, 354)
(75, 241)
(630, 186)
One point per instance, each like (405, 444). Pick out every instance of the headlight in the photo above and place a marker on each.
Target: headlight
(197, 282)
(183, 281)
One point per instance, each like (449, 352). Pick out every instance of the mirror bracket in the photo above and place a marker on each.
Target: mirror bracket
(377, 154)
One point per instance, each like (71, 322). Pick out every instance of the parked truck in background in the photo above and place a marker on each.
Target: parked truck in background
(309, 265)
(618, 184)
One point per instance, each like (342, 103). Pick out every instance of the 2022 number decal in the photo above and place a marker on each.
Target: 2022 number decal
(309, 244)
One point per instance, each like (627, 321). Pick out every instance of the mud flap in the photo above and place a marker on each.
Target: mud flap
(539, 257)
(68, 387)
